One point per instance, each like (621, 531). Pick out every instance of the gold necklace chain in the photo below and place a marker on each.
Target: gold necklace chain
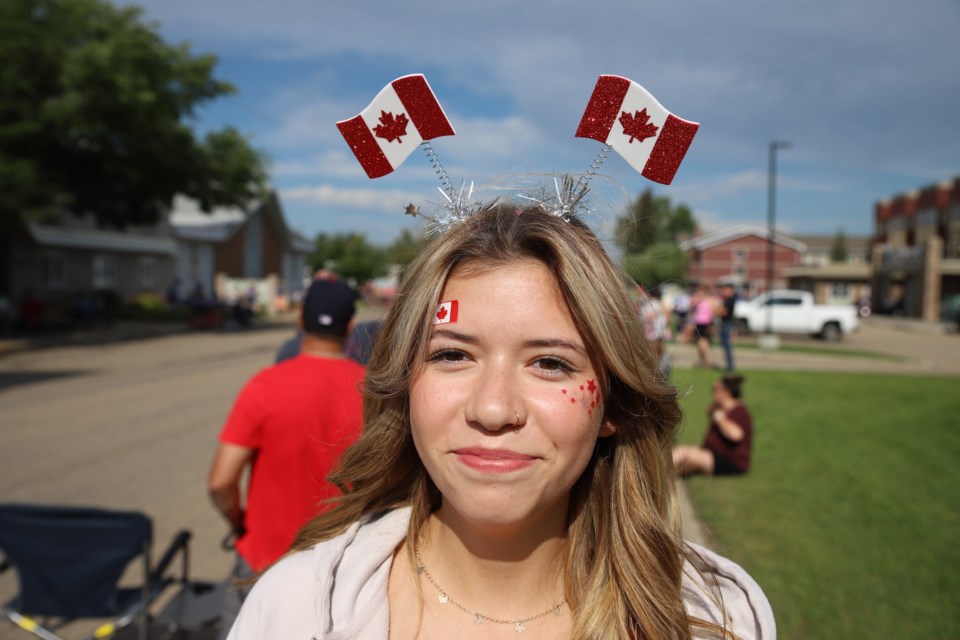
(478, 618)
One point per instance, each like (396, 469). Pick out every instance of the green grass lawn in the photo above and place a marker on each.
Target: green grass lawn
(818, 348)
(850, 517)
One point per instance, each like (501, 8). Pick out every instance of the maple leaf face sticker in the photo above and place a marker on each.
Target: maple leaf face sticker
(637, 126)
(442, 313)
(390, 127)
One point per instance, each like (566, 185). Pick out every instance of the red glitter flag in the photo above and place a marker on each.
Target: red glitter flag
(627, 117)
(404, 114)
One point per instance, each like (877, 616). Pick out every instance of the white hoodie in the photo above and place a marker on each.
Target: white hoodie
(338, 590)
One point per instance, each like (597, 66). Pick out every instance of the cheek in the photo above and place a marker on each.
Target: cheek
(583, 395)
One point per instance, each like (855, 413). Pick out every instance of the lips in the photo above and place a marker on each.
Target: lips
(494, 460)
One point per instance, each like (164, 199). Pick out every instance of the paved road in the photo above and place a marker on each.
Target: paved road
(134, 424)
(128, 425)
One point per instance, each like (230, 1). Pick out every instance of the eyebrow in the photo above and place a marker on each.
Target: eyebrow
(553, 343)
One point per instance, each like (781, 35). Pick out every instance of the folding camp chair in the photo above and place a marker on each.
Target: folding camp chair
(69, 561)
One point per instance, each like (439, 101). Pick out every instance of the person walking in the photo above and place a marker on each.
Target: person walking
(703, 305)
(728, 322)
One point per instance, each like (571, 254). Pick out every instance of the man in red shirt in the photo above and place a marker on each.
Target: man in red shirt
(289, 425)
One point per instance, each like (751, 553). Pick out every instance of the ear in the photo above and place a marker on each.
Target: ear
(607, 429)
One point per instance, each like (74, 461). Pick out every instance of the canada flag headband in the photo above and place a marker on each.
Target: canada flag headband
(404, 114)
(621, 114)
(625, 116)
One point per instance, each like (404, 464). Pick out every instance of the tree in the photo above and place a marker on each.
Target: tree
(650, 220)
(95, 116)
(649, 233)
(349, 255)
(839, 252)
(660, 263)
(405, 248)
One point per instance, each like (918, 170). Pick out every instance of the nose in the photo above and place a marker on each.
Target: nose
(495, 398)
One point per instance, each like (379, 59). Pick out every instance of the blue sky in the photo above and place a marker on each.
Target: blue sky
(867, 92)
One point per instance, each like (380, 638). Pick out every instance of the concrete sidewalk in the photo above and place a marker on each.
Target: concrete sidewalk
(880, 346)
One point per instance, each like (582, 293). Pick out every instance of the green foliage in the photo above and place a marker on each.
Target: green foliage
(405, 248)
(95, 113)
(839, 252)
(350, 255)
(649, 232)
(664, 262)
(848, 518)
(651, 220)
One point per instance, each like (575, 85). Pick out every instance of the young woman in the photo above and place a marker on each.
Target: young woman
(514, 474)
(726, 447)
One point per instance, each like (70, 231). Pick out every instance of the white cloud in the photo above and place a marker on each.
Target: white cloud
(330, 195)
(330, 164)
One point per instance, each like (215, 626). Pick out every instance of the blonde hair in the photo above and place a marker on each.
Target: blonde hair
(624, 557)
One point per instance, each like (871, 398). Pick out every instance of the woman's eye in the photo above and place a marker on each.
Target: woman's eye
(554, 365)
(447, 355)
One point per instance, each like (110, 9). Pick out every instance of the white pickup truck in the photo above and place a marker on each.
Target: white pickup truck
(791, 311)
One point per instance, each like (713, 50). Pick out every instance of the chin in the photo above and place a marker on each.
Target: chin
(506, 512)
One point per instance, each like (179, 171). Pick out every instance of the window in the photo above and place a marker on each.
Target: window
(740, 255)
(52, 270)
(840, 290)
(784, 302)
(104, 271)
(147, 267)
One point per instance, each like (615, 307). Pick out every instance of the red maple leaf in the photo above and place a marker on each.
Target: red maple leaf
(591, 386)
(638, 125)
(390, 127)
(442, 313)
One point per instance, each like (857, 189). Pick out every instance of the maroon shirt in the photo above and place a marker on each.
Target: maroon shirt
(737, 453)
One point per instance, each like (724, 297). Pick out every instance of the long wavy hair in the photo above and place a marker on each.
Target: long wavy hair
(624, 554)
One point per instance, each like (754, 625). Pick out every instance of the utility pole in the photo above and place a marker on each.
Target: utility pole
(770, 340)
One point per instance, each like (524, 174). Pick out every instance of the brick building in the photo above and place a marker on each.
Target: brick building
(739, 255)
(916, 252)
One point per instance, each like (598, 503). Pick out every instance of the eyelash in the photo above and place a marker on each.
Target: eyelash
(563, 367)
(438, 356)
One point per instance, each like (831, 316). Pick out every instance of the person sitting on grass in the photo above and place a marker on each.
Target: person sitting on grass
(726, 447)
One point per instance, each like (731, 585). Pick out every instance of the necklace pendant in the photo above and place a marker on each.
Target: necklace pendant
(443, 598)
(520, 628)
(558, 611)
(477, 619)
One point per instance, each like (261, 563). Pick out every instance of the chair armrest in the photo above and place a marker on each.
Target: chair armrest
(179, 543)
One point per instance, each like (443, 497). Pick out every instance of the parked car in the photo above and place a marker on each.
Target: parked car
(792, 311)
(950, 311)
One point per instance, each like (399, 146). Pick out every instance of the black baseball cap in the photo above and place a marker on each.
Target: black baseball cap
(328, 307)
